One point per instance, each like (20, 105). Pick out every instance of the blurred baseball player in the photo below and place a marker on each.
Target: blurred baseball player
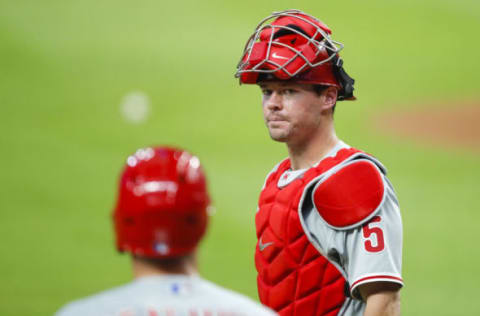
(159, 218)
(328, 223)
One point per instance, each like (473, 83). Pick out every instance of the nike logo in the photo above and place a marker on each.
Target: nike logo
(262, 245)
(274, 55)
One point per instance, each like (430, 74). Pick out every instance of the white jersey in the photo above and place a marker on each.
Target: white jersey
(166, 295)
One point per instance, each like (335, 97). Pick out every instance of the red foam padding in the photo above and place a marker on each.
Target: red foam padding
(350, 195)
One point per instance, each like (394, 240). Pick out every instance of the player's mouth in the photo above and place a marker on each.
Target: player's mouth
(276, 123)
(276, 119)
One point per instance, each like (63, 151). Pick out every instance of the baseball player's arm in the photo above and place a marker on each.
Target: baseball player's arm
(382, 298)
(367, 226)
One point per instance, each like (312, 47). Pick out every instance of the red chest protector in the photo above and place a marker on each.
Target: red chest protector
(293, 278)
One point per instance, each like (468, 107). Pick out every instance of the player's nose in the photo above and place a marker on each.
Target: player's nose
(274, 101)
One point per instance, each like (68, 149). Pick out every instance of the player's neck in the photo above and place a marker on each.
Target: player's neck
(309, 152)
(149, 267)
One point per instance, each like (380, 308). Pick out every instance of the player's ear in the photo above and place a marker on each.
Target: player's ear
(329, 98)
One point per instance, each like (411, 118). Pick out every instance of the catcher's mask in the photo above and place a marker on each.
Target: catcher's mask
(161, 210)
(294, 46)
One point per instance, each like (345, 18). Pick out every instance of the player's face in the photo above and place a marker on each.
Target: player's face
(291, 111)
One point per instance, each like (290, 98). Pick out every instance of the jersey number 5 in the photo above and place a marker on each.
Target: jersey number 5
(368, 231)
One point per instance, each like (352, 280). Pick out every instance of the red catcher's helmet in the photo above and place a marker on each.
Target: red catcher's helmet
(162, 203)
(294, 46)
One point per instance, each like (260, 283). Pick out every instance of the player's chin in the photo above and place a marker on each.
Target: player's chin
(278, 135)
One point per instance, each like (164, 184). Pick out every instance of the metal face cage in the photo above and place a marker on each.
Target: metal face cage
(320, 41)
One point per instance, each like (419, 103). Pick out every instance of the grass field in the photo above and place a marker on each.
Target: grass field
(65, 67)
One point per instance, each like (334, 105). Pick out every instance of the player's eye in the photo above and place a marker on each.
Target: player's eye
(289, 91)
(266, 92)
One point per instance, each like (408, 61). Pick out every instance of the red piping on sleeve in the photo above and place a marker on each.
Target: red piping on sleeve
(382, 277)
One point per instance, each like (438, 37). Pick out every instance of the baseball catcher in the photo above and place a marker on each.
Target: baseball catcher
(328, 222)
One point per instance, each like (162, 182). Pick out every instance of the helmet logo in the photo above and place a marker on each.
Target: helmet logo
(162, 248)
(275, 55)
(160, 245)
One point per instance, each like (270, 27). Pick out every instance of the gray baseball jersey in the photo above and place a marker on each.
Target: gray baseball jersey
(166, 295)
(364, 253)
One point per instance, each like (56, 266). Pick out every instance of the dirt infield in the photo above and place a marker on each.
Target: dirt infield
(452, 125)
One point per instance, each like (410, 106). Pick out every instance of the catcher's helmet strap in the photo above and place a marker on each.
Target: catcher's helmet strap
(346, 82)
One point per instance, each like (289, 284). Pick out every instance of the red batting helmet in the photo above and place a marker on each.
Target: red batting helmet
(162, 203)
(294, 46)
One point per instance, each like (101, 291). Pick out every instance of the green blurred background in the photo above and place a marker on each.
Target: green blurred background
(67, 66)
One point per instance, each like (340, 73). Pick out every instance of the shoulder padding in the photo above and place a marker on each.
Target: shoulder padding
(349, 196)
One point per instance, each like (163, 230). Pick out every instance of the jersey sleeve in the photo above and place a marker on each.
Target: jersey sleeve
(373, 251)
(368, 252)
